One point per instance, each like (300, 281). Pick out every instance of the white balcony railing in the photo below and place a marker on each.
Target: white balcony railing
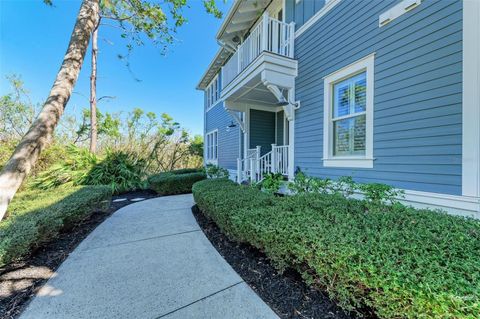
(269, 35)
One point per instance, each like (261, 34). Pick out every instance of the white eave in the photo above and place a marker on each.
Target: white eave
(240, 18)
(213, 68)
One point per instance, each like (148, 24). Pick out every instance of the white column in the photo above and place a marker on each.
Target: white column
(274, 159)
(291, 149)
(239, 170)
(471, 99)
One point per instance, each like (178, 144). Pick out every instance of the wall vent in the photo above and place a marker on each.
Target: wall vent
(396, 11)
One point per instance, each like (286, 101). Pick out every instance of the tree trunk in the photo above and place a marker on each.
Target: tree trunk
(41, 131)
(93, 92)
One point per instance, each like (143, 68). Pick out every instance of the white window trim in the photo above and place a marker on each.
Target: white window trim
(208, 160)
(365, 64)
(213, 98)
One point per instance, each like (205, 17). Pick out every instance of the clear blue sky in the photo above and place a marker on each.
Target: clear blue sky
(34, 38)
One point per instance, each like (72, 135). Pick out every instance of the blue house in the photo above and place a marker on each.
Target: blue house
(383, 91)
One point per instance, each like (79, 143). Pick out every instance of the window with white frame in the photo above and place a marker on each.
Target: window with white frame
(348, 115)
(213, 92)
(211, 146)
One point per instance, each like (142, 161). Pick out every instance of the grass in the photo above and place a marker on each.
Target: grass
(38, 216)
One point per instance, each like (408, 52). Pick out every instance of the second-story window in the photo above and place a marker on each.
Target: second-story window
(213, 92)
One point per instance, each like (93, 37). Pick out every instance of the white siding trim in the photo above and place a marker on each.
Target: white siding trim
(471, 99)
(320, 13)
(367, 65)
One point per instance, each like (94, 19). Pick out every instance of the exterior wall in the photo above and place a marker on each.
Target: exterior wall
(417, 143)
(302, 11)
(228, 142)
(262, 130)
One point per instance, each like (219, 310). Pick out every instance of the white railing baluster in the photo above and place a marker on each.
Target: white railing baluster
(270, 35)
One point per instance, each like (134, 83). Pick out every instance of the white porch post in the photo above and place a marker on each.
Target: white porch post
(257, 159)
(239, 170)
(274, 159)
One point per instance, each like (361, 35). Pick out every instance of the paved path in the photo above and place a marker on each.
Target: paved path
(149, 260)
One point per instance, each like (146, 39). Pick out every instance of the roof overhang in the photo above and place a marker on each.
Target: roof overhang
(239, 20)
(213, 69)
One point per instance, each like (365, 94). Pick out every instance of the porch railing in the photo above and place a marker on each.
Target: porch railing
(255, 166)
(269, 35)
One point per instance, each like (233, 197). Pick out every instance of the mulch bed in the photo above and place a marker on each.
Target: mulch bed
(27, 276)
(285, 293)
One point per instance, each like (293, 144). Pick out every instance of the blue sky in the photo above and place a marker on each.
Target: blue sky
(34, 38)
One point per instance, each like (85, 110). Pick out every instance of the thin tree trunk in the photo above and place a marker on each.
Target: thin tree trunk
(41, 131)
(93, 92)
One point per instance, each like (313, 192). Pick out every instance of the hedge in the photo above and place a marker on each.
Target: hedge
(175, 182)
(36, 217)
(395, 261)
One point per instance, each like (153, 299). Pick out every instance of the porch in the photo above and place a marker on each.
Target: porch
(265, 145)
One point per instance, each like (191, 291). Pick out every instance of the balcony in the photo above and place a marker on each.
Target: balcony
(266, 56)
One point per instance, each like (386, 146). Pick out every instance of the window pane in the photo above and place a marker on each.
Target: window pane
(341, 136)
(360, 93)
(359, 134)
(350, 136)
(341, 99)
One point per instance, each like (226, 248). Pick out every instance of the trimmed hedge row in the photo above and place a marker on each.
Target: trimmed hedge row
(36, 217)
(176, 182)
(396, 261)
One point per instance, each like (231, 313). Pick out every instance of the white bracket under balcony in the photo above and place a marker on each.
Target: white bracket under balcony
(287, 106)
(237, 119)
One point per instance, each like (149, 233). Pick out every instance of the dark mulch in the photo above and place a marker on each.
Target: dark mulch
(285, 293)
(20, 281)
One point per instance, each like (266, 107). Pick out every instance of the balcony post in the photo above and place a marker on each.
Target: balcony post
(274, 158)
(291, 40)
(264, 32)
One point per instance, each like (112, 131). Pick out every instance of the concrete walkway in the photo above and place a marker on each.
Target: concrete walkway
(149, 260)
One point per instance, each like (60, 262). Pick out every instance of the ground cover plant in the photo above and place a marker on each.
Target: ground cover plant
(37, 216)
(389, 260)
(175, 182)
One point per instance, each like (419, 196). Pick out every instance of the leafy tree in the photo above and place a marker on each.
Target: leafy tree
(156, 19)
(16, 111)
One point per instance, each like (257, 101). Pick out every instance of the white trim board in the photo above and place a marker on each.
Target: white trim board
(320, 13)
(471, 99)
(452, 204)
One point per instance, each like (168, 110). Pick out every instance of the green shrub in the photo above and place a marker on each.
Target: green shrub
(214, 171)
(35, 217)
(187, 170)
(271, 182)
(71, 171)
(175, 182)
(120, 170)
(397, 261)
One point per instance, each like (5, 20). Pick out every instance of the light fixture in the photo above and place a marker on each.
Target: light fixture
(236, 39)
(230, 126)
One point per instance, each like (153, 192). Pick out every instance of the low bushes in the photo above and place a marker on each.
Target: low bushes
(396, 261)
(176, 182)
(121, 170)
(35, 217)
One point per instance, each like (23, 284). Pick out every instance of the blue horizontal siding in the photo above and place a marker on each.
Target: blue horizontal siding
(228, 142)
(418, 91)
